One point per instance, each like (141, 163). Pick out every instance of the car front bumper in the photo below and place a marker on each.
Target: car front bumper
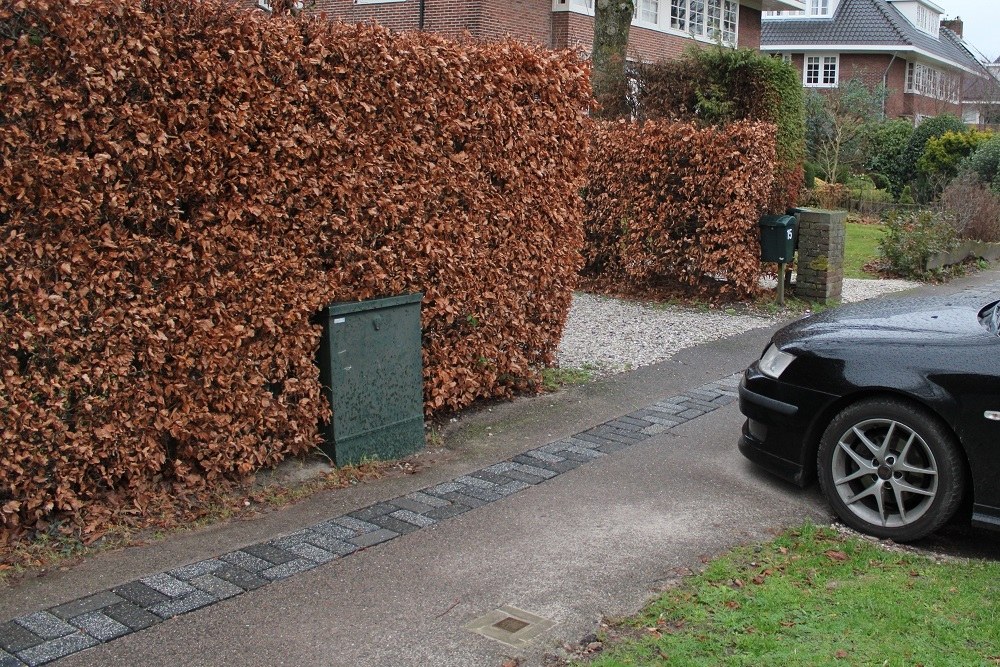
(783, 426)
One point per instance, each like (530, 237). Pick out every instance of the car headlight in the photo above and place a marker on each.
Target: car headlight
(774, 362)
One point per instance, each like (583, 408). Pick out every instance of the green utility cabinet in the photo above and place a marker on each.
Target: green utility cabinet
(371, 369)
(777, 238)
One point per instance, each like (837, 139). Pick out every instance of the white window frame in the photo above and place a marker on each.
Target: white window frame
(822, 62)
(932, 82)
(714, 19)
(819, 8)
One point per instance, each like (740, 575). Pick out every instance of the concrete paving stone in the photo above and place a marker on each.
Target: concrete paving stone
(46, 625)
(220, 589)
(7, 660)
(705, 406)
(620, 424)
(356, 525)
(371, 539)
(269, 552)
(613, 447)
(442, 489)
(395, 525)
(725, 399)
(286, 542)
(369, 513)
(246, 580)
(581, 458)
(333, 544)
(286, 570)
(482, 494)
(15, 637)
(542, 456)
(731, 381)
(462, 499)
(332, 529)
(498, 480)
(553, 448)
(86, 604)
(477, 482)
(500, 468)
(666, 421)
(565, 465)
(245, 561)
(525, 477)
(454, 509)
(412, 517)
(587, 452)
(514, 486)
(707, 393)
(633, 420)
(313, 553)
(168, 585)
(101, 626)
(613, 436)
(595, 440)
(134, 617)
(691, 413)
(655, 429)
(197, 569)
(409, 505)
(57, 648)
(586, 444)
(534, 470)
(178, 606)
(664, 412)
(426, 499)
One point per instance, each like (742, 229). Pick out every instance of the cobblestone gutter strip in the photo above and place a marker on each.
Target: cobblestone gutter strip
(44, 636)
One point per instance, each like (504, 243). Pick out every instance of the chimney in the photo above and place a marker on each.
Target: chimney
(955, 25)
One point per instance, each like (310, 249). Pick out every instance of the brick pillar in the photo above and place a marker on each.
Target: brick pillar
(821, 254)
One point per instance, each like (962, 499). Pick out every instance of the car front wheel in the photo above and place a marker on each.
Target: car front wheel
(890, 470)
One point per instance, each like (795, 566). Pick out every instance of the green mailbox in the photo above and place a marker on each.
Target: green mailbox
(371, 369)
(777, 238)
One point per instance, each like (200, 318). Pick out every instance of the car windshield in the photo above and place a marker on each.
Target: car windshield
(989, 317)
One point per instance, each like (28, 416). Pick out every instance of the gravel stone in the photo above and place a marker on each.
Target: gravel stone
(609, 335)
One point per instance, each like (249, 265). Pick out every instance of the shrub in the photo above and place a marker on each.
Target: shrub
(974, 207)
(943, 155)
(911, 238)
(185, 183)
(676, 205)
(718, 86)
(927, 130)
(985, 162)
(884, 144)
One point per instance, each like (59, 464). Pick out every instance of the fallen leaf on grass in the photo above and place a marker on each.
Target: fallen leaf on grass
(836, 555)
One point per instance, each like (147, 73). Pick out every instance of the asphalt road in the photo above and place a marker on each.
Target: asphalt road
(594, 542)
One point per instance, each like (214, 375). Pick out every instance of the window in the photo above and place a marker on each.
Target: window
(819, 7)
(649, 11)
(678, 14)
(783, 57)
(927, 20)
(930, 82)
(821, 71)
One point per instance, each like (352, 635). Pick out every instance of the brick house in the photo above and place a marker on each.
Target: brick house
(922, 60)
(661, 29)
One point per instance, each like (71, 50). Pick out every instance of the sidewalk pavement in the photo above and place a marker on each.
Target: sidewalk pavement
(553, 512)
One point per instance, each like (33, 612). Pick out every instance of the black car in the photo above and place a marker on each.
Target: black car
(893, 404)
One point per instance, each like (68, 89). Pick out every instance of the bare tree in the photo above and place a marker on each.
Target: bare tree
(612, 20)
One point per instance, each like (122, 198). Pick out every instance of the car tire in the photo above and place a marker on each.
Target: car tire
(890, 469)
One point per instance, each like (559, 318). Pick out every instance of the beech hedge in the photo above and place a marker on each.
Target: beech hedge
(675, 206)
(186, 183)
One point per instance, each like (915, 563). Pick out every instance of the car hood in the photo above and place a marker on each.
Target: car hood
(917, 320)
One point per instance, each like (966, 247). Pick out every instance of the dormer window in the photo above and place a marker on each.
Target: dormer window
(927, 21)
(819, 7)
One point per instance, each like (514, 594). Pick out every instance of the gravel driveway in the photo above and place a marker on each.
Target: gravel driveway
(611, 335)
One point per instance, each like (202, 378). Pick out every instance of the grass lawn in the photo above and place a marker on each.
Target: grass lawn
(860, 247)
(811, 598)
